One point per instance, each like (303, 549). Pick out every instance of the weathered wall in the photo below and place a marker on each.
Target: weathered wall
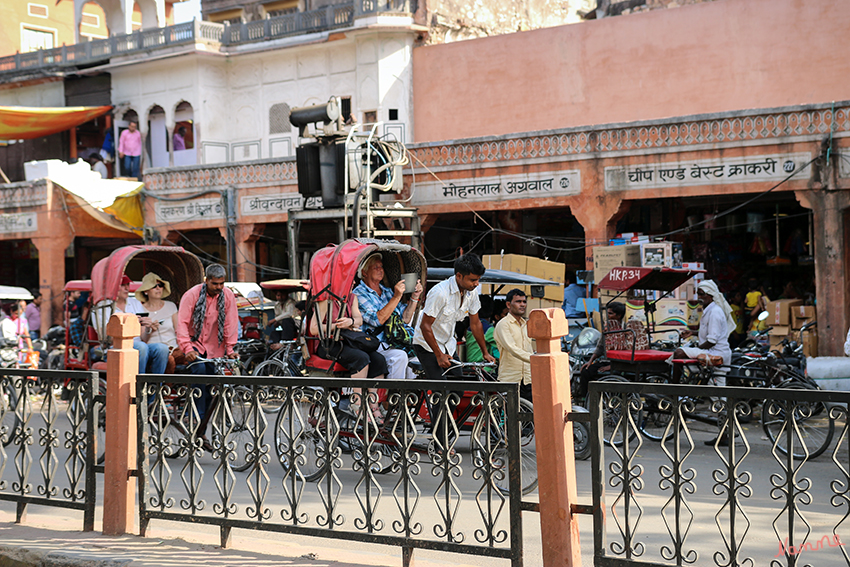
(711, 57)
(456, 20)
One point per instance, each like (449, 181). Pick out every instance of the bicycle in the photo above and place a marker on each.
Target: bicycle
(281, 363)
(183, 421)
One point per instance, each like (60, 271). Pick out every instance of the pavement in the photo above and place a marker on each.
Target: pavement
(52, 538)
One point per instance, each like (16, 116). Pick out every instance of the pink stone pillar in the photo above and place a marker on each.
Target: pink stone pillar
(556, 475)
(122, 364)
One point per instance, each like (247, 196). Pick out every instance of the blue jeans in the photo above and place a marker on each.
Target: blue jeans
(202, 403)
(152, 357)
(130, 167)
(34, 334)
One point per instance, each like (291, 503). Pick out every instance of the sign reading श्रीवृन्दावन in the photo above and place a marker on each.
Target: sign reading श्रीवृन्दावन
(774, 167)
(534, 185)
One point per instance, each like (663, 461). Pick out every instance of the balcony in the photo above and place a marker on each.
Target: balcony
(215, 35)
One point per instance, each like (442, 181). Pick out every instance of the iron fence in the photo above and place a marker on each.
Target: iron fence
(33, 415)
(292, 455)
(807, 519)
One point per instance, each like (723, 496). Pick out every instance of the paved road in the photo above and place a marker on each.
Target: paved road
(762, 507)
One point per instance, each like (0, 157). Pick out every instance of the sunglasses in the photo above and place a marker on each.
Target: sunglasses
(160, 285)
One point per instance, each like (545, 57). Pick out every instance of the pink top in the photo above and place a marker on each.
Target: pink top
(208, 341)
(130, 143)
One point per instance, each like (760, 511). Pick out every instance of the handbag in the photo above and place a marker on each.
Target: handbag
(359, 340)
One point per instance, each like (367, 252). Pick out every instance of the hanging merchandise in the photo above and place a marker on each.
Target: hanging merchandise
(777, 260)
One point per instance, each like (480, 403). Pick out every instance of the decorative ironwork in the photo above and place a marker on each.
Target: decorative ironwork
(324, 449)
(794, 418)
(39, 426)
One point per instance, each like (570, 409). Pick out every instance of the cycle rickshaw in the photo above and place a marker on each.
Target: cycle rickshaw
(324, 427)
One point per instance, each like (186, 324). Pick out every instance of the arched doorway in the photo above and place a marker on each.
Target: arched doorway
(157, 139)
(183, 138)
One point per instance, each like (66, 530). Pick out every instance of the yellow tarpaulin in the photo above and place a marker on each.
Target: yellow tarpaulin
(27, 122)
(128, 208)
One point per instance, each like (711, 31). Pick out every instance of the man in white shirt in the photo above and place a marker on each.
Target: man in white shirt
(515, 347)
(448, 303)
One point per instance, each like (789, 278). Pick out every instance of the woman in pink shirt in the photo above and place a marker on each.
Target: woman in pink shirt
(130, 150)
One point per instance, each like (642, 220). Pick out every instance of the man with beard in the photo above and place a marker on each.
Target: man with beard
(207, 325)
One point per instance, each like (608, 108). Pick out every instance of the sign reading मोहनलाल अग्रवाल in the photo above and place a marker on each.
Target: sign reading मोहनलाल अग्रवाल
(775, 167)
(534, 185)
(18, 222)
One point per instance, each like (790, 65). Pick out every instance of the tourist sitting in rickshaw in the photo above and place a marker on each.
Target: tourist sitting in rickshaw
(386, 316)
(615, 339)
(163, 317)
(153, 358)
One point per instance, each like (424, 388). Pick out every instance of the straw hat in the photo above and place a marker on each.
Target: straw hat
(149, 282)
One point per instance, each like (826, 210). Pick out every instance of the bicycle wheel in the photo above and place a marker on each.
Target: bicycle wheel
(239, 423)
(814, 428)
(497, 445)
(614, 419)
(274, 368)
(656, 415)
(298, 423)
(8, 420)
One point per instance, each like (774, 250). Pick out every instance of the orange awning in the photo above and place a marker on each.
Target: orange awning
(27, 122)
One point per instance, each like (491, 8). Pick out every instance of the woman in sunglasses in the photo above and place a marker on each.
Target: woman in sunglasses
(162, 317)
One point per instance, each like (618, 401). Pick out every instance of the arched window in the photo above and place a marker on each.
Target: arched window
(279, 119)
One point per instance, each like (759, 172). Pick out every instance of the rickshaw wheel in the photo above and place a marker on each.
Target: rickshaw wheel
(498, 448)
(300, 419)
(655, 419)
(613, 422)
(8, 401)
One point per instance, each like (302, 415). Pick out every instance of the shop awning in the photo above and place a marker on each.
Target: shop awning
(28, 122)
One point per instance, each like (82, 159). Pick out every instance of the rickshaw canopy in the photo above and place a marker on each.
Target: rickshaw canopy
(286, 285)
(623, 278)
(497, 277)
(181, 268)
(85, 285)
(333, 269)
(14, 293)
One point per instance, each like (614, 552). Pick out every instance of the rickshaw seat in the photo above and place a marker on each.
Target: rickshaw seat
(648, 355)
(685, 361)
(315, 362)
(100, 366)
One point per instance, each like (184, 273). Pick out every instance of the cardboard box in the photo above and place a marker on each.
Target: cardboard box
(607, 257)
(687, 291)
(802, 314)
(672, 313)
(661, 254)
(779, 312)
(664, 333)
(780, 331)
(508, 262)
(694, 314)
(542, 304)
(775, 341)
(810, 342)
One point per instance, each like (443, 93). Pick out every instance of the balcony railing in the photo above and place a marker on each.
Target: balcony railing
(328, 18)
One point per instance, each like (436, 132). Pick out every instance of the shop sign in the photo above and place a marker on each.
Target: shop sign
(269, 204)
(499, 188)
(197, 209)
(18, 222)
(775, 167)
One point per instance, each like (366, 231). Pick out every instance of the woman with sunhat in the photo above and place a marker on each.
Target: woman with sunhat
(162, 315)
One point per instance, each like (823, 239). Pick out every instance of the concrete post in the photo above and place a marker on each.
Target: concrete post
(122, 364)
(556, 475)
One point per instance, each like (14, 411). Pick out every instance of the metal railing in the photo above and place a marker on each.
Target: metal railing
(808, 519)
(290, 455)
(59, 429)
(335, 16)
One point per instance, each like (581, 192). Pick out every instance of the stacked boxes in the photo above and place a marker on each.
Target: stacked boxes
(661, 254)
(605, 258)
(531, 266)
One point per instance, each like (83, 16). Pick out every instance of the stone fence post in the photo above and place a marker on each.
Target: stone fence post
(550, 382)
(122, 365)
